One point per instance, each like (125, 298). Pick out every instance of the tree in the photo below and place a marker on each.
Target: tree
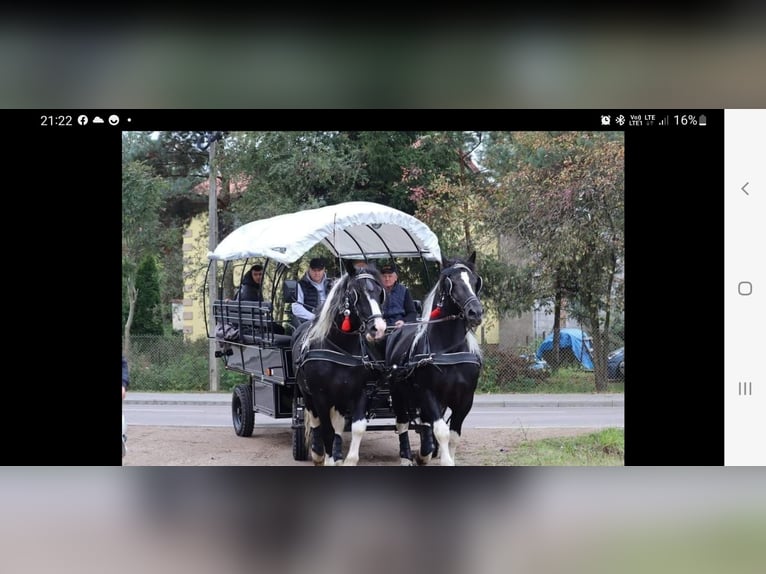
(453, 200)
(147, 318)
(175, 158)
(141, 201)
(562, 194)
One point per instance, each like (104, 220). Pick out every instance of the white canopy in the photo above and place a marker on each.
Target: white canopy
(355, 229)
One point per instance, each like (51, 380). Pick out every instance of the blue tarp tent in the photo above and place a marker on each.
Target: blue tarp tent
(575, 339)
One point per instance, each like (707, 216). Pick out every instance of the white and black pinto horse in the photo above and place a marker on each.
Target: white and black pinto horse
(437, 364)
(335, 356)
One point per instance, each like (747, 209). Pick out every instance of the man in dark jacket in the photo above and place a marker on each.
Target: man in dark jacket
(311, 293)
(251, 289)
(252, 285)
(398, 308)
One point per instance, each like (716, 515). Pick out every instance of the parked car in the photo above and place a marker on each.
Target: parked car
(615, 364)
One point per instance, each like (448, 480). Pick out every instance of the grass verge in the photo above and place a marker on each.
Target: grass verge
(603, 448)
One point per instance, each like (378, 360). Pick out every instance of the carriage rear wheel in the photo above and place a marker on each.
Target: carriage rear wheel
(300, 450)
(242, 413)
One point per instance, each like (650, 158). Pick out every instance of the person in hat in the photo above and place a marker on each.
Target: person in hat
(311, 292)
(398, 308)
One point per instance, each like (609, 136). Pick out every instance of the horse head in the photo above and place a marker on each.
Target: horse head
(460, 286)
(362, 302)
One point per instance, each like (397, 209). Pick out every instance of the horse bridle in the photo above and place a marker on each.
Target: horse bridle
(448, 290)
(348, 304)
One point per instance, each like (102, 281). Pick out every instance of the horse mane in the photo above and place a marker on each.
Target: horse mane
(321, 326)
(425, 315)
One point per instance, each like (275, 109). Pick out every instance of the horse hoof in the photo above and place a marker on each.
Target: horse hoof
(407, 462)
(422, 460)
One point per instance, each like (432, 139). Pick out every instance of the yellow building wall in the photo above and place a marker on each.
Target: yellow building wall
(195, 249)
(489, 331)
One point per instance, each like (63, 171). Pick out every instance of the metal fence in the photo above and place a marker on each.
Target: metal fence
(171, 363)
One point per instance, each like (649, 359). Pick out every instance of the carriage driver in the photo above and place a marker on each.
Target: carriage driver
(398, 308)
(312, 291)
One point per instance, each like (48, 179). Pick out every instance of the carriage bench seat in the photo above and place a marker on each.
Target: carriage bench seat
(272, 339)
(247, 322)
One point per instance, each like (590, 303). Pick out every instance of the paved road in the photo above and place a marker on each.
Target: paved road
(498, 400)
(490, 411)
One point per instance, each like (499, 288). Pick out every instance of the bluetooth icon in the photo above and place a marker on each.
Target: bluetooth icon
(82, 120)
(620, 120)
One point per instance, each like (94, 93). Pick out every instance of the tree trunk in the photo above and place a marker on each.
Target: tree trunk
(132, 296)
(599, 334)
(556, 351)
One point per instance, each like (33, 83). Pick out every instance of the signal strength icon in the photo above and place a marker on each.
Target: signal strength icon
(665, 121)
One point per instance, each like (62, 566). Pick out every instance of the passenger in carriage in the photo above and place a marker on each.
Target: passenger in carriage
(311, 293)
(252, 285)
(362, 264)
(398, 308)
(251, 289)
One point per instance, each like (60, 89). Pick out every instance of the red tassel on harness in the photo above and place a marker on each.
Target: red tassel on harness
(346, 325)
(436, 313)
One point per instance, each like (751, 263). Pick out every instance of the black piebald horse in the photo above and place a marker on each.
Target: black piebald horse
(436, 365)
(335, 356)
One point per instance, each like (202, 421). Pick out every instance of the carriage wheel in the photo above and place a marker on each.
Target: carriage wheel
(300, 450)
(242, 413)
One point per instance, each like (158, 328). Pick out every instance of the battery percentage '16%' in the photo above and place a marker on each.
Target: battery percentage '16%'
(686, 120)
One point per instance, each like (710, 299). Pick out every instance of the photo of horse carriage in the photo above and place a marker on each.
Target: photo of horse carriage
(345, 370)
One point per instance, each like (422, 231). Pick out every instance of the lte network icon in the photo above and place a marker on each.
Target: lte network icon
(606, 120)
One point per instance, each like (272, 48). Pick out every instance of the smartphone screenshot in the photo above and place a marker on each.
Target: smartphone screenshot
(618, 232)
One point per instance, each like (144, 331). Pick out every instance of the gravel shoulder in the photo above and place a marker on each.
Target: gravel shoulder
(212, 446)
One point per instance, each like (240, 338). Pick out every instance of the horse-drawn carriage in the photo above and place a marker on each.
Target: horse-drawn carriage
(338, 372)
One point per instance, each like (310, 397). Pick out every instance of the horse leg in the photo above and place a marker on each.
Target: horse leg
(427, 446)
(338, 422)
(454, 440)
(430, 413)
(327, 434)
(442, 433)
(317, 445)
(405, 451)
(358, 428)
(402, 425)
(456, 424)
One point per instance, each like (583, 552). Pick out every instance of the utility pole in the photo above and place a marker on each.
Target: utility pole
(212, 243)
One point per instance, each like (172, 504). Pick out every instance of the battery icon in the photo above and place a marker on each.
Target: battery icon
(703, 120)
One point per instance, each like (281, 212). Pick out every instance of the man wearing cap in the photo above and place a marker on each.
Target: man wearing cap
(312, 291)
(398, 308)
